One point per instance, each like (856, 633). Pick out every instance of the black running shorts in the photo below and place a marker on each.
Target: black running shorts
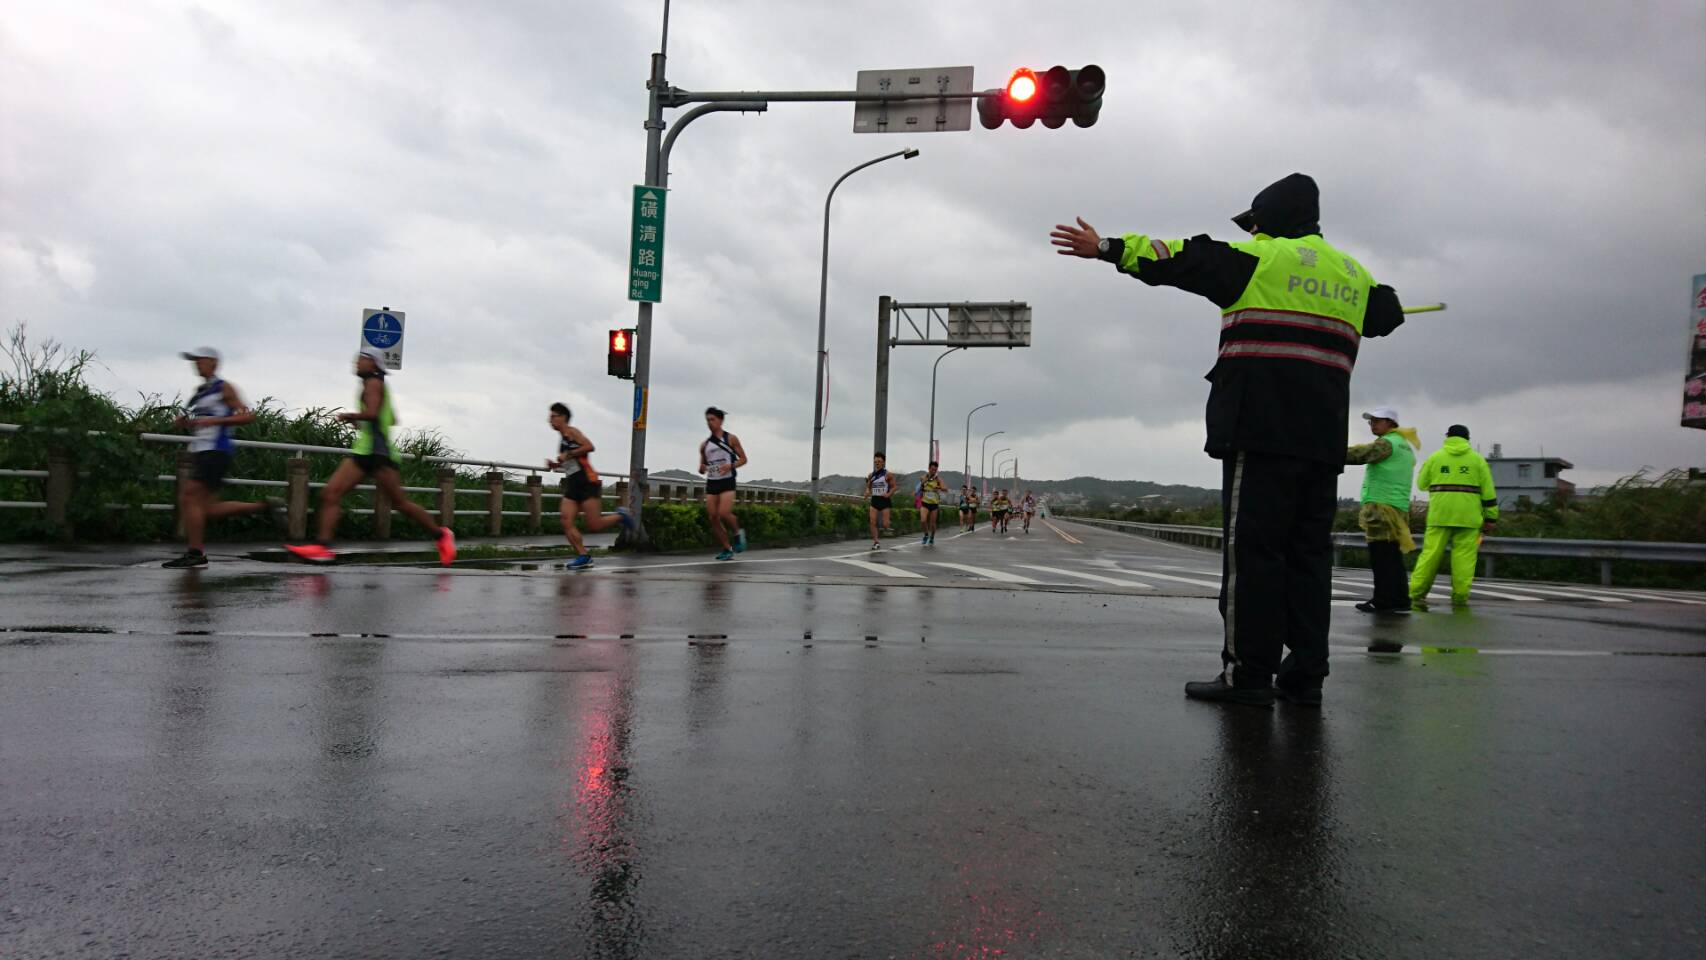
(576, 488)
(210, 468)
(372, 463)
(880, 503)
(719, 485)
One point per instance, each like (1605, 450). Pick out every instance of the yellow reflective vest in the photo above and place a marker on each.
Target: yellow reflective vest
(1459, 486)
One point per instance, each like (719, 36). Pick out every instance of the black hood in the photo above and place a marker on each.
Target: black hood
(1288, 207)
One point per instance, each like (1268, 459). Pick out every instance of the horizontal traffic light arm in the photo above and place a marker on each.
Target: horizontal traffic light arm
(677, 97)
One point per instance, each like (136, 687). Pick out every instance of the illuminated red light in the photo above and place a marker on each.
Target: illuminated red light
(1023, 86)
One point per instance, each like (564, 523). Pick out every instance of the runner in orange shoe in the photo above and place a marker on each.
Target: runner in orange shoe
(373, 456)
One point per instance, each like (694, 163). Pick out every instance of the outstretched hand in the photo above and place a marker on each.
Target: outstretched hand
(1079, 241)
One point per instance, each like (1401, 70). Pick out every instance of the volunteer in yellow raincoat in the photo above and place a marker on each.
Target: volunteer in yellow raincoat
(1462, 505)
(1385, 516)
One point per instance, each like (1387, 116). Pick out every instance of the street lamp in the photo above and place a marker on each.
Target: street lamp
(980, 458)
(965, 470)
(933, 455)
(982, 474)
(822, 312)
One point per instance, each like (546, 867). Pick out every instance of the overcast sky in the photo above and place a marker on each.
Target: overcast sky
(251, 175)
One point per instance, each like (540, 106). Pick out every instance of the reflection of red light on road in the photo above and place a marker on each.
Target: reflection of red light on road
(1000, 922)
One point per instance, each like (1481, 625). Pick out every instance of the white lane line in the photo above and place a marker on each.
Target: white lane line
(1564, 593)
(1211, 584)
(1088, 576)
(985, 572)
(881, 568)
(1479, 591)
(1635, 596)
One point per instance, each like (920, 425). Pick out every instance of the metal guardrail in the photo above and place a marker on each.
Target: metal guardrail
(57, 480)
(1604, 551)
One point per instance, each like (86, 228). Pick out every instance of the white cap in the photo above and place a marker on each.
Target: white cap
(200, 353)
(373, 353)
(1382, 413)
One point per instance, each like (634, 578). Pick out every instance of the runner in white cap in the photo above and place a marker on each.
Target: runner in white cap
(214, 412)
(373, 456)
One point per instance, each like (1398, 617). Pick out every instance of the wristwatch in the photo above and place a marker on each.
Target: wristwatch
(1110, 249)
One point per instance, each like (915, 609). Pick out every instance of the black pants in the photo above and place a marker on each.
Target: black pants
(1276, 585)
(1391, 580)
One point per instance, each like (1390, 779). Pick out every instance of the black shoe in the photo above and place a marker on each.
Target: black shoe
(191, 558)
(1369, 606)
(1219, 691)
(1385, 646)
(1301, 696)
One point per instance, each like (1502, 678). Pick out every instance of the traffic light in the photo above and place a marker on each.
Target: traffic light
(622, 353)
(1054, 97)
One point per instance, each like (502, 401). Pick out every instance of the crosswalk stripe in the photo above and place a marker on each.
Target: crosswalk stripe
(1639, 596)
(1211, 584)
(1607, 598)
(1087, 576)
(985, 572)
(881, 568)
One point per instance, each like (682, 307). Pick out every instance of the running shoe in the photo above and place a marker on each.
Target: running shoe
(740, 541)
(446, 546)
(627, 518)
(579, 563)
(312, 552)
(191, 558)
(876, 545)
(726, 555)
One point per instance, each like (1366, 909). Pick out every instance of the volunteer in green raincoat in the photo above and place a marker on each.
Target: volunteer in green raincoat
(1385, 516)
(1462, 505)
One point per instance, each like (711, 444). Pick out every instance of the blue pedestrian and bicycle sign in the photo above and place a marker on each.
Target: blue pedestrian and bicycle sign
(383, 329)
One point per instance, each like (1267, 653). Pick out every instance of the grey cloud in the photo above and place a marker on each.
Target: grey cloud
(473, 165)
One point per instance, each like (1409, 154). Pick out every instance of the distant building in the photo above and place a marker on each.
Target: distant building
(1534, 479)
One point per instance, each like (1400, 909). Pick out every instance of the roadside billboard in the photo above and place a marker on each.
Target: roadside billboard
(1694, 388)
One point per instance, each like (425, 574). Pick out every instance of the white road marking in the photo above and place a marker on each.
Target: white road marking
(985, 572)
(881, 568)
(1087, 576)
(1635, 596)
(1573, 596)
(1211, 584)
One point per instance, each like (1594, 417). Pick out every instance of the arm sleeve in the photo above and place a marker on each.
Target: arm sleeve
(1385, 314)
(1369, 452)
(1489, 496)
(1205, 267)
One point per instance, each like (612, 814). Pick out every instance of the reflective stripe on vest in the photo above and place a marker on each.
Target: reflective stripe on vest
(1290, 318)
(1457, 488)
(1287, 351)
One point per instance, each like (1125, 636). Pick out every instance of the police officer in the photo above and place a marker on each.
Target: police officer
(1293, 311)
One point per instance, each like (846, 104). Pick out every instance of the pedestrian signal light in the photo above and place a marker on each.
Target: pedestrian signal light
(622, 353)
(1054, 96)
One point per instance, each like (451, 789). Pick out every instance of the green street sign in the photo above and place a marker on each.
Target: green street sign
(645, 247)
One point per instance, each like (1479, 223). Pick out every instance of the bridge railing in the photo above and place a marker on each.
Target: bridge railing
(59, 477)
(1604, 551)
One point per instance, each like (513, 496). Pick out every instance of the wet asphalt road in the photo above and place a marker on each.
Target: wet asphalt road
(521, 763)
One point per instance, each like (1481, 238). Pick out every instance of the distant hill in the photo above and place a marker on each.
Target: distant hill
(1077, 491)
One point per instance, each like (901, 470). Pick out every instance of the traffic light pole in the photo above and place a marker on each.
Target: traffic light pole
(657, 175)
(659, 96)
